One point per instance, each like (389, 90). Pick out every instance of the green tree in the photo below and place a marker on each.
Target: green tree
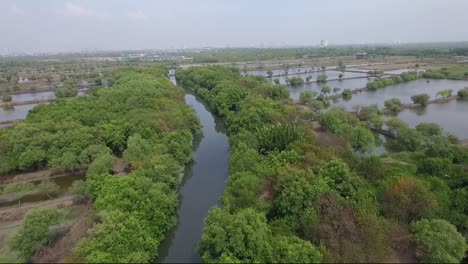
(34, 232)
(269, 73)
(325, 90)
(306, 97)
(393, 104)
(49, 188)
(445, 93)
(421, 99)
(321, 78)
(463, 93)
(291, 249)
(7, 98)
(408, 199)
(438, 241)
(243, 236)
(361, 138)
(49, 78)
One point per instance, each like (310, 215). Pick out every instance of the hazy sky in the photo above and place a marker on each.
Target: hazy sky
(76, 25)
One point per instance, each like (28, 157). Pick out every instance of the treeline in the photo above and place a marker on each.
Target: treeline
(296, 195)
(262, 54)
(142, 118)
(383, 82)
(452, 73)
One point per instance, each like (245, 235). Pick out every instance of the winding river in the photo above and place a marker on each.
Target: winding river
(203, 184)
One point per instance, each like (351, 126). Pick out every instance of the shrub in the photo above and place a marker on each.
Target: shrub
(422, 99)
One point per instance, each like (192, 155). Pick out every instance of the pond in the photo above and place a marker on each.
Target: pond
(452, 116)
(19, 112)
(402, 91)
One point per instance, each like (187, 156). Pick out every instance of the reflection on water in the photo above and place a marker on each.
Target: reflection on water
(452, 116)
(202, 186)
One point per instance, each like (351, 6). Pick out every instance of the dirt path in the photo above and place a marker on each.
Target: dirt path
(59, 251)
(14, 213)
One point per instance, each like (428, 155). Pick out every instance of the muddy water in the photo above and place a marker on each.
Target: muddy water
(63, 182)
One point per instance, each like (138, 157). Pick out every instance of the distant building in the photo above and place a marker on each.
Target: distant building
(323, 43)
(360, 56)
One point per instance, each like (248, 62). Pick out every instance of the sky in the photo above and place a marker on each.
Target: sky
(89, 25)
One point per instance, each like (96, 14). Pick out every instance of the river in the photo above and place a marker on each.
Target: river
(203, 184)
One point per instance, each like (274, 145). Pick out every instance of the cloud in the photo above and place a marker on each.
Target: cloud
(17, 11)
(76, 10)
(138, 15)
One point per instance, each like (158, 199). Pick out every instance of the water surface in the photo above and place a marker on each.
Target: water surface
(19, 112)
(452, 116)
(402, 91)
(203, 184)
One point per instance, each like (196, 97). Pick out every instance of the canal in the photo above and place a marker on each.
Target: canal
(203, 184)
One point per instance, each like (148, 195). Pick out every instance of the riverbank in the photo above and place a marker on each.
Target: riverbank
(37, 175)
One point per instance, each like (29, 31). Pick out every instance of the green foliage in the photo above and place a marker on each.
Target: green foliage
(35, 231)
(295, 81)
(347, 93)
(453, 73)
(291, 249)
(17, 187)
(445, 93)
(325, 90)
(306, 97)
(243, 191)
(7, 98)
(438, 241)
(321, 78)
(345, 124)
(307, 192)
(379, 83)
(276, 137)
(66, 134)
(372, 117)
(48, 187)
(421, 99)
(243, 236)
(393, 104)
(408, 199)
(118, 238)
(361, 138)
(296, 192)
(463, 93)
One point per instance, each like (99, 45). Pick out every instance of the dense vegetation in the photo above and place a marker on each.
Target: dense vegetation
(421, 50)
(143, 118)
(454, 73)
(383, 82)
(297, 195)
